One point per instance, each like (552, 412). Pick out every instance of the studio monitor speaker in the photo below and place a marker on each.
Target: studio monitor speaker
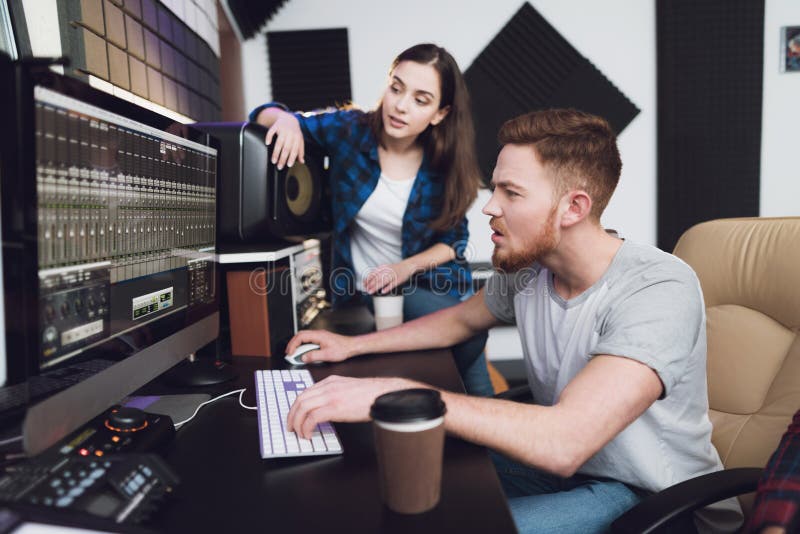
(260, 206)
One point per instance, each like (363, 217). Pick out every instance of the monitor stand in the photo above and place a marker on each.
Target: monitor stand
(194, 371)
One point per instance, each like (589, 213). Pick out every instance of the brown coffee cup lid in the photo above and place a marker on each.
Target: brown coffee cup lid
(408, 406)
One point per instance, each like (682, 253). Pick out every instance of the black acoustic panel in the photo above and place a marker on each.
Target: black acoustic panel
(310, 69)
(485, 89)
(603, 99)
(529, 66)
(710, 69)
(251, 16)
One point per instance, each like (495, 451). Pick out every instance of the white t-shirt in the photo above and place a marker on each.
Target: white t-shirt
(376, 236)
(647, 306)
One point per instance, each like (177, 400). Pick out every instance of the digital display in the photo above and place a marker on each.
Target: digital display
(152, 302)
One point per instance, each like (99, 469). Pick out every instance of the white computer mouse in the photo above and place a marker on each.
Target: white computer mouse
(294, 358)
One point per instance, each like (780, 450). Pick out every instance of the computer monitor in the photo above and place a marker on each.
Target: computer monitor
(109, 221)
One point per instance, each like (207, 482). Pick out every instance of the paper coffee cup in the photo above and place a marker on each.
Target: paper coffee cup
(409, 442)
(388, 311)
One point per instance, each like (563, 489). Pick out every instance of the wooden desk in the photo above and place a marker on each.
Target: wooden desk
(227, 487)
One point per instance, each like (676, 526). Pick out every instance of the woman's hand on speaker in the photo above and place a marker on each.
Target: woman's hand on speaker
(332, 347)
(289, 144)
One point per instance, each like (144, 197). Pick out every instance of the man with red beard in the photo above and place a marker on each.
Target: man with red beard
(613, 334)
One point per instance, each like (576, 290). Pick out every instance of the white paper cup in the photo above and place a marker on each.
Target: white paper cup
(388, 311)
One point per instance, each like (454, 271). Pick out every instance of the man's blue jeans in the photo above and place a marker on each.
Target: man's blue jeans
(469, 356)
(545, 503)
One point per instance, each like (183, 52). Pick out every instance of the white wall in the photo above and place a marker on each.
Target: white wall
(780, 126)
(618, 36)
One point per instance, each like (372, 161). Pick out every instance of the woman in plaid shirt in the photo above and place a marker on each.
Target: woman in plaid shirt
(403, 176)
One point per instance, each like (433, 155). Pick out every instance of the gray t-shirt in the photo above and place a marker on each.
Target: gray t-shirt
(648, 307)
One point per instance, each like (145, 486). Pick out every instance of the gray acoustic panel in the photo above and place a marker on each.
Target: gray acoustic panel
(529, 66)
(141, 46)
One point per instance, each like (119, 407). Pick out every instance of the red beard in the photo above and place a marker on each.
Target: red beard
(513, 260)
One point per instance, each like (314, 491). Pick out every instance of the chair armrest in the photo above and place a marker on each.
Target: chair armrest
(657, 510)
(517, 393)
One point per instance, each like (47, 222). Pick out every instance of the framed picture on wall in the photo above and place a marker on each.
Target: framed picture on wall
(790, 49)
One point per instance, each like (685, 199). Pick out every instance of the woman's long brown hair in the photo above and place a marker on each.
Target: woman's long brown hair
(450, 145)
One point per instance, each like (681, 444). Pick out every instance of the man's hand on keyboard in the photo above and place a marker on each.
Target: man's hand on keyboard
(332, 347)
(342, 399)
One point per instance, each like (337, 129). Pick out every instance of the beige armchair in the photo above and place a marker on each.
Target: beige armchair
(749, 270)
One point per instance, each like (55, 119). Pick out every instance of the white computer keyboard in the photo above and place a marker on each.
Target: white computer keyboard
(276, 390)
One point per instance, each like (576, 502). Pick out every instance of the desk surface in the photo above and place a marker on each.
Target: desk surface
(227, 487)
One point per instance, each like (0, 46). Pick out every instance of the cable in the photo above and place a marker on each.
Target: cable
(239, 391)
(243, 405)
(10, 440)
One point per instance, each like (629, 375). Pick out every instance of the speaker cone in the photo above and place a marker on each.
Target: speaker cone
(299, 190)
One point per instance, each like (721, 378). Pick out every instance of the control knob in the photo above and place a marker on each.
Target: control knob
(125, 419)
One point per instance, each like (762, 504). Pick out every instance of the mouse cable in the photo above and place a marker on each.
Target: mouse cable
(10, 440)
(239, 391)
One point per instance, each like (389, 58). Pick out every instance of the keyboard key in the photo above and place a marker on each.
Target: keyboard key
(64, 502)
(276, 390)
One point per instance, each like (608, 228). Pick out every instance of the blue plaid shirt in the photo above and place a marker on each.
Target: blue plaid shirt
(354, 172)
(777, 500)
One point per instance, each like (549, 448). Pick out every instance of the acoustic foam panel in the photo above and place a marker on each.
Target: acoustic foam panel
(310, 69)
(710, 69)
(134, 7)
(138, 77)
(252, 16)
(95, 55)
(529, 66)
(93, 15)
(135, 37)
(115, 24)
(141, 46)
(118, 67)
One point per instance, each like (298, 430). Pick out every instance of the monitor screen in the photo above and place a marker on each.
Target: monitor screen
(122, 223)
(126, 224)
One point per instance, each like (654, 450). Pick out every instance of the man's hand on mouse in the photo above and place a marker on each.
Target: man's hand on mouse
(332, 347)
(340, 399)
